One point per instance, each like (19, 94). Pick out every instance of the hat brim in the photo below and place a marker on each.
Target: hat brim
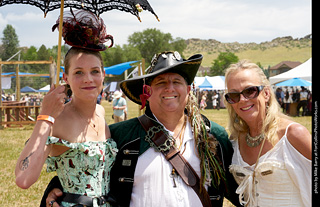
(188, 69)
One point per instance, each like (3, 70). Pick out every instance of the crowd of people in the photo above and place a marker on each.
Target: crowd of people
(172, 155)
(300, 95)
(30, 99)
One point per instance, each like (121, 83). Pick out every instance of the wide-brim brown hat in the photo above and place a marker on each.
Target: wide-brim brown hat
(166, 62)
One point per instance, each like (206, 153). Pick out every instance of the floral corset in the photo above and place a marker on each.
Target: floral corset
(84, 168)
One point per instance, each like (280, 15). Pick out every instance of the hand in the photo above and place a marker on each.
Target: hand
(53, 102)
(53, 196)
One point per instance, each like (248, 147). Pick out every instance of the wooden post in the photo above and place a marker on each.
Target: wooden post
(59, 43)
(17, 84)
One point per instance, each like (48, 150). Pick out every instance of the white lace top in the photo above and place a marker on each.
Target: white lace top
(282, 178)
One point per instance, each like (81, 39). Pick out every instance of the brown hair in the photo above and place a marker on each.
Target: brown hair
(74, 51)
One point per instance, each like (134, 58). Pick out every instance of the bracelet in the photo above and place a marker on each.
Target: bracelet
(46, 118)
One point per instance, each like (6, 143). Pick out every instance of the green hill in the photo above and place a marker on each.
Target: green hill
(267, 53)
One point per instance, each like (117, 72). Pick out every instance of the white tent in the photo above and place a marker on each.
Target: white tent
(217, 82)
(303, 71)
(44, 89)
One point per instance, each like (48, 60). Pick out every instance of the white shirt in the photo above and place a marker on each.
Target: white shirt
(282, 178)
(153, 185)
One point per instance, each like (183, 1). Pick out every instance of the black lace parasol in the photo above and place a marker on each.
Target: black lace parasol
(95, 6)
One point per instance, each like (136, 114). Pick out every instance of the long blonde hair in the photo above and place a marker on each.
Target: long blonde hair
(236, 125)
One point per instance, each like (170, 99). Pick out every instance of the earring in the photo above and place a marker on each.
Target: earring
(236, 119)
(69, 91)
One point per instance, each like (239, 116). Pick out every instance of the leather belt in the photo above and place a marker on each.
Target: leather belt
(84, 201)
(179, 163)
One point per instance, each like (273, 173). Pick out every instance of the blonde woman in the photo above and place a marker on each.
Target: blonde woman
(272, 154)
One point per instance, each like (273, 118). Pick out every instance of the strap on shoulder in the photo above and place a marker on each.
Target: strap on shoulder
(179, 163)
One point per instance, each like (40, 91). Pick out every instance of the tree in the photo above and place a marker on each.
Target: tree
(222, 62)
(179, 45)
(43, 53)
(150, 42)
(10, 44)
(265, 71)
(30, 54)
(118, 54)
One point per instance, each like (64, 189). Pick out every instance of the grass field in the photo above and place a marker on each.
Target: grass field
(12, 141)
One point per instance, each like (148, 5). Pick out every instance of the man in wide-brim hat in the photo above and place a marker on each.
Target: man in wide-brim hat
(167, 62)
(165, 90)
(141, 175)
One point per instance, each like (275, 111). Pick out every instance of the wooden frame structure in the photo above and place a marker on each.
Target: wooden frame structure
(17, 112)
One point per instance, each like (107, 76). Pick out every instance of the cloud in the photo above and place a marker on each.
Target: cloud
(223, 20)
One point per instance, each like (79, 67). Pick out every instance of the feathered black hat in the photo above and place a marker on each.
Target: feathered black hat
(84, 29)
(162, 63)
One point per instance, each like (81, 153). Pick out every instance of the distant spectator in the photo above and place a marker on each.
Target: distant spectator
(9, 98)
(119, 105)
(287, 101)
(99, 98)
(309, 103)
(296, 96)
(203, 103)
(280, 96)
(215, 99)
(303, 102)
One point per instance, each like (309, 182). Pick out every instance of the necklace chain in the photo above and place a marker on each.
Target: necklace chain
(90, 122)
(254, 141)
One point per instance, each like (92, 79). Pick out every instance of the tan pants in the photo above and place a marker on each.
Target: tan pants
(118, 118)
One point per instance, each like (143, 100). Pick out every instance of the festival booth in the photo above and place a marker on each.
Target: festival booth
(210, 84)
(298, 76)
(303, 71)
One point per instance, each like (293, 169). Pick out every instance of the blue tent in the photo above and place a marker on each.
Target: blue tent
(13, 74)
(115, 69)
(205, 84)
(294, 82)
(27, 89)
(119, 68)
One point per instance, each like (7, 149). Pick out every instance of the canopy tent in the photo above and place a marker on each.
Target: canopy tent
(205, 85)
(216, 82)
(303, 71)
(119, 68)
(115, 69)
(294, 82)
(28, 89)
(45, 89)
(13, 74)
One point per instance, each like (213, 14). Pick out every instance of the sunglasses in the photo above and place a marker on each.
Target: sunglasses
(249, 93)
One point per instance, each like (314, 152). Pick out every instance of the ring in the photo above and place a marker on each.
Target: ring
(51, 202)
